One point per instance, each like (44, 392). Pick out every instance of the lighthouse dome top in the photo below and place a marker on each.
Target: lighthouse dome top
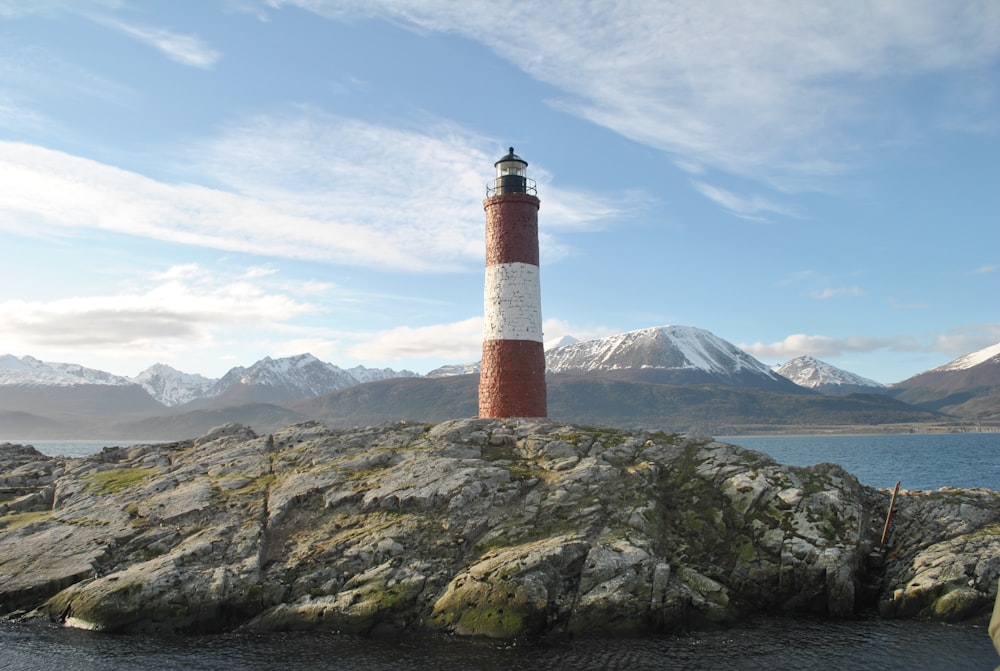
(511, 176)
(511, 157)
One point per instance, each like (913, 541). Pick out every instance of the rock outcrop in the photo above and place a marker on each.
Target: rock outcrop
(478, 527)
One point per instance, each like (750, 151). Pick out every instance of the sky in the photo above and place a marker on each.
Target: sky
(203, 183)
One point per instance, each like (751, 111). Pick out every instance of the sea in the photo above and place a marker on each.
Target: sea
(917, 461)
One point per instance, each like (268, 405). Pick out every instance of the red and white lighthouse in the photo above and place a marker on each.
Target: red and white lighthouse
(512, 379)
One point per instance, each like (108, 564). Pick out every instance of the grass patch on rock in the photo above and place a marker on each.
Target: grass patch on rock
(18, 520)
(116, 479)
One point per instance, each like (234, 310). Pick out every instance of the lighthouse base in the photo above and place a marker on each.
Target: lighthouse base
(512, 379)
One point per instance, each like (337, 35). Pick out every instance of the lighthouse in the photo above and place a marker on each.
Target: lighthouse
(512, 377)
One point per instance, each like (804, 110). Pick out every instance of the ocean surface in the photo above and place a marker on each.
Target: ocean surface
(773, 644)
(919, 461)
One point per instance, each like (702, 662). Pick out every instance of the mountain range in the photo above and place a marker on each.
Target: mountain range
(679, 378)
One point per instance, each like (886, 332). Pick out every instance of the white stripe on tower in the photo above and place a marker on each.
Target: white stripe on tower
(512, 300)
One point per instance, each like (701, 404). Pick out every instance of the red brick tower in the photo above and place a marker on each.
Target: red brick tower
(512, 380)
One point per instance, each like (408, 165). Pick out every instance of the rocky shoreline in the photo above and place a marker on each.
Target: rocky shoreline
(499, 528)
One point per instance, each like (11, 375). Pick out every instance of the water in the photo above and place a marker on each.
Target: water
(920, 461)
(775, 644)
(75, 448)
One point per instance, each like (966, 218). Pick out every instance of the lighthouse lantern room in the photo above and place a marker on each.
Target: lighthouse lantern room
(511, 176)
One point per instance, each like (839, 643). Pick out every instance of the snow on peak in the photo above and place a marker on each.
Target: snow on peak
(811, 373)
(170, 386)
(302, 375)
(363, 374)
(30, 371)
(664, 347)
(970, 360)
(450, 370)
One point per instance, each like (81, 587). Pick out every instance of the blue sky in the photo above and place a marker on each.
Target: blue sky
(204, 183)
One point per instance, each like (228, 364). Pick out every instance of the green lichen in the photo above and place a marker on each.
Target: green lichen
(492, 622)
(116, 479)
(18, 520)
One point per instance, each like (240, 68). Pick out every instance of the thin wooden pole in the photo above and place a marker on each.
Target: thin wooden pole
(888, 515)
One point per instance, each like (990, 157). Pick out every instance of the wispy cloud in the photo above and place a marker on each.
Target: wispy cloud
(763, 89)
(306, 185)
(360, 175)
(837, 292)
(747, 207)
(184, 49)
(985, 269)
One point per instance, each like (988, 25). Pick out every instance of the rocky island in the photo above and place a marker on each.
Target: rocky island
(499, 528)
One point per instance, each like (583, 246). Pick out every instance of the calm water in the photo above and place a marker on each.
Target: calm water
(75, 448)
(919, 461)
(774, 644)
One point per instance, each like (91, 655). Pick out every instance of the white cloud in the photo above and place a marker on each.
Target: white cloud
(800, 344)
(184, 49)
(306, 186)
(764, 89)
(967, 339)
(457, 342)
(955, 343)
(187, 304)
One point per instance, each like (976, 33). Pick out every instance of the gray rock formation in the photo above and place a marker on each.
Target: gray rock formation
(478, 527)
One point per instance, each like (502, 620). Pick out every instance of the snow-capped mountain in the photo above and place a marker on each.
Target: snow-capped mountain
(29, 371)
(825, 378)
(50, 390)
(669, 354)
(989, 354)
(968, 387)
(268, 380)
(289, 378)
(451, 370)
(363, 374)
(275, 380)
(170, 386)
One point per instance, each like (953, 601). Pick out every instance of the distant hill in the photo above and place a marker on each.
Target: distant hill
(595, 398)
